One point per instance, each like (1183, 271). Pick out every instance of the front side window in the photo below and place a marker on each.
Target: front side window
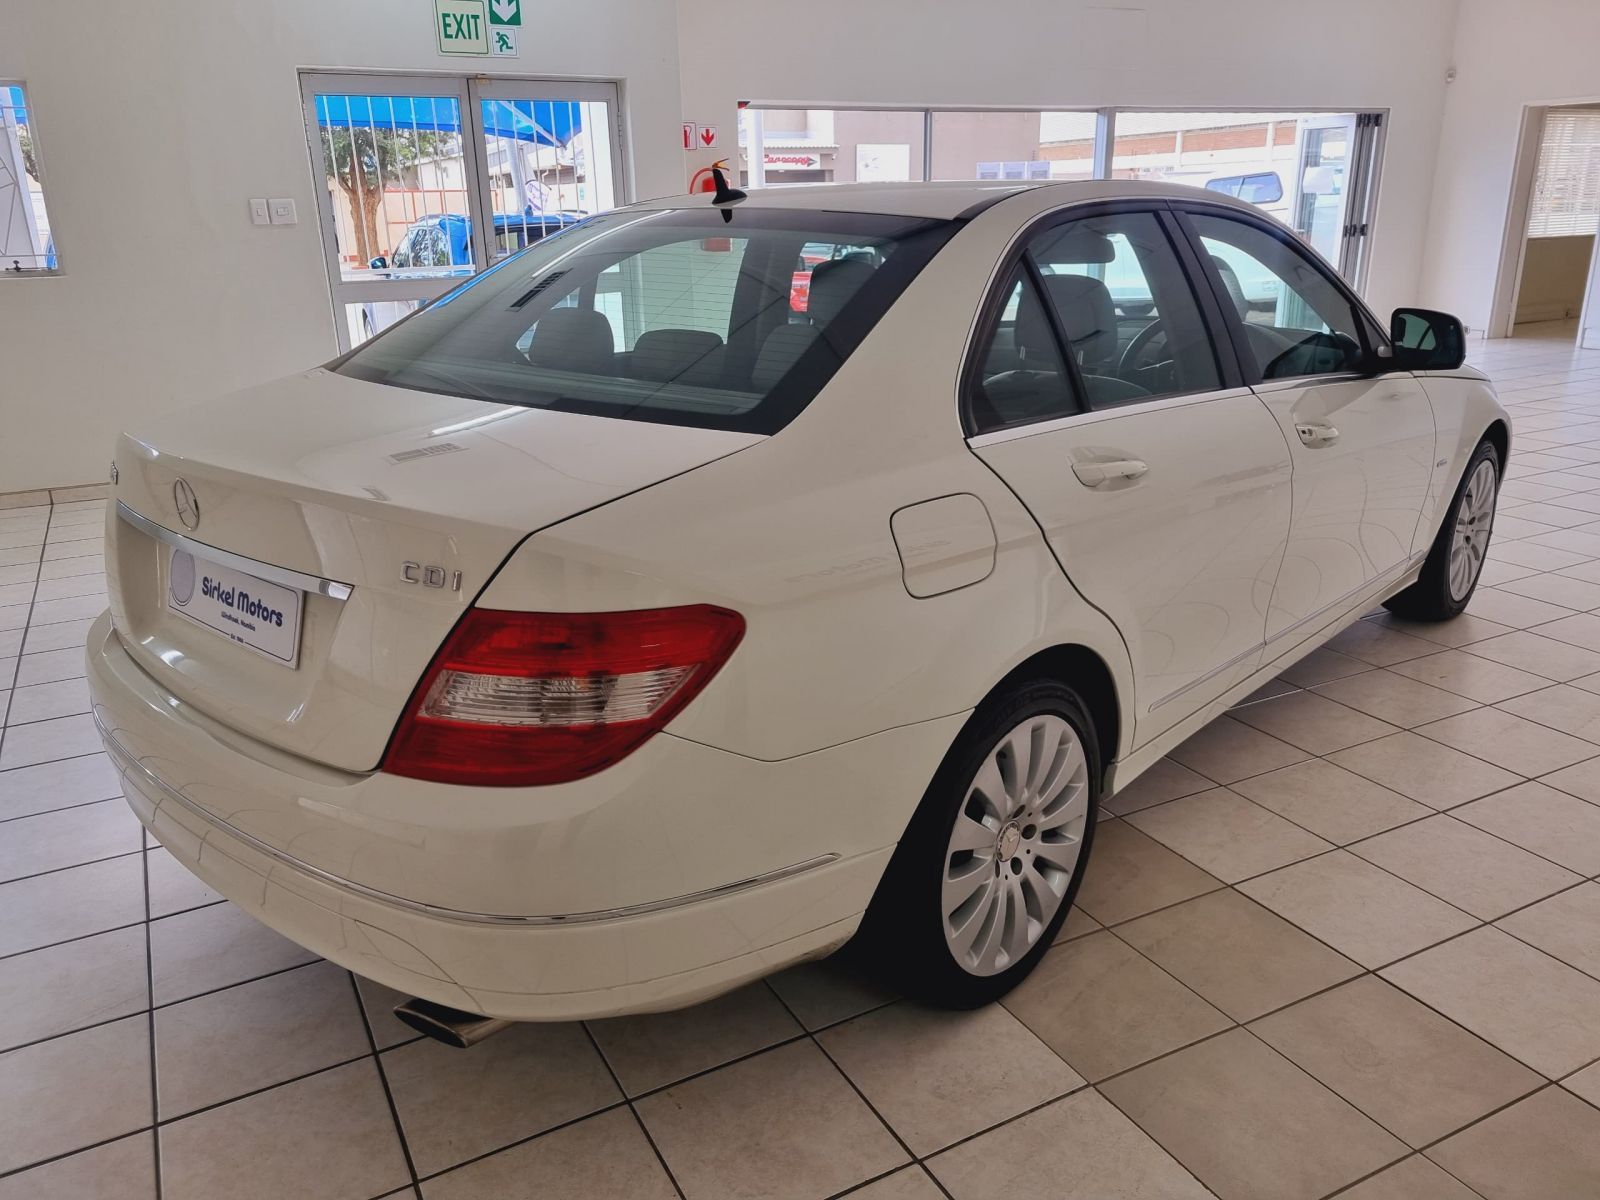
(1296, 321)
(682, 316)
(1126, 308)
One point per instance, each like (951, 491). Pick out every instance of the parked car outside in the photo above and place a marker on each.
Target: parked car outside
(604, 638)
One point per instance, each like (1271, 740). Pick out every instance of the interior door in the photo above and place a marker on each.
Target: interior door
(1164, 493)
(1362, 443)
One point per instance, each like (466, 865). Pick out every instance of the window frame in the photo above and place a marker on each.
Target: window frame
(1223, 346)
(1373, 339)
(43, 272)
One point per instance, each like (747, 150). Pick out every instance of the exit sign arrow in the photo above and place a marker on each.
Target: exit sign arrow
(505, 12)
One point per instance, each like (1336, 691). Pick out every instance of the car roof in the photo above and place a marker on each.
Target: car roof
(945, 200)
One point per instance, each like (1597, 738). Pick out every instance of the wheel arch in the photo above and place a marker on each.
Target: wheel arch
(1090, 676)
(1499, 435)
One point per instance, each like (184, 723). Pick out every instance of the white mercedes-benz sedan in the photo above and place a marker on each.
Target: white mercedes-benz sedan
(611, 633)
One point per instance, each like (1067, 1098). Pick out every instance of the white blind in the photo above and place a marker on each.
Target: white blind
(1566, 188)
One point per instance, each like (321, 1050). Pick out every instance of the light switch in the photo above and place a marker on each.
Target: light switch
(259, 214)
(282, 212)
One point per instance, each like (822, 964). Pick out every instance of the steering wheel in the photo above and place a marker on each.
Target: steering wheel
(1141, 342)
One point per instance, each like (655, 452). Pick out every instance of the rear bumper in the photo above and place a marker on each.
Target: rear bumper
(522, 913)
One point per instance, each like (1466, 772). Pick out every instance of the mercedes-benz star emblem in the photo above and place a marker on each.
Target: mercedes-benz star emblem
(188, 507)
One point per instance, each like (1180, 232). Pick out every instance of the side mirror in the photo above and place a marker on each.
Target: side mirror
(378, 264)
(1425, 340)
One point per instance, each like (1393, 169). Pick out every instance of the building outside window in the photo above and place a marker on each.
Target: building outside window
(26, 244)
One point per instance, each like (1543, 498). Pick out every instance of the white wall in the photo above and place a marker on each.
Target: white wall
(1507, 55)
(156, 122)
(1222, 54)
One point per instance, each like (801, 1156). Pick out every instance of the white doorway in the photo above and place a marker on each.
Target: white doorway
(431, 179)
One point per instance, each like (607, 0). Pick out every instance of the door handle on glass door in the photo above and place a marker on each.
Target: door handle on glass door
(1316, 433)
(1093, 474)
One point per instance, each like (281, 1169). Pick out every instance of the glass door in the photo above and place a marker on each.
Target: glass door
(429, 179)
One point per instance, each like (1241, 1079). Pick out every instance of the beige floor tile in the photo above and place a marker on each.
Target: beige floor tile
(1362, 912)
(1528, 651)
(70, 585)
(1468, 675)
(1475, 871)
(68, 635)
(833, 989)
(1585, 1083)
(1322, 665)
(1313, 723)
(1249, 1123)
(656, 1049)
(1566, 926)
(454, 1105)
(1165, 780)
(1580, 779)
(1226, 750)
(1332, 803)
(1546, 1147)
(269, 1138)
(604, 1157)
(124, 1169)
(244, 1038)
(173, 889)
(1080, 1148)
(1462, 630)
(783, 1125)
(1576, 594)
(1415, 1073)
(47, 741)
(47, 666)
(67, 838)
(1581, 630)
(1570, 709)
(1522, 554)
(1414, 1179)
(215, 947)
(1076, 925)
(1548, 822)
(70, 1092)
(1530, 1005)
(1223, 833)
(73, 985)
(937, 1077)
(908, 1183)
(1130, 874)
(1239, 956)
(1509, 740)
(1395, 698)
(1104, 1007)
(1424, 770)
(378, 1002)
(66, 904)
(44, 701)
(1379, 645)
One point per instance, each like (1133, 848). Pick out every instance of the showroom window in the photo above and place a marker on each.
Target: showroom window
(26, 244)
(1566, 189)
(1314, 171)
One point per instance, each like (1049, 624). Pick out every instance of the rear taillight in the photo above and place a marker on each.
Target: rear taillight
(514, 698)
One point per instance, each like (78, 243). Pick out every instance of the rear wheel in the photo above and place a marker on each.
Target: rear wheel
(1450, 574)
(982, 881)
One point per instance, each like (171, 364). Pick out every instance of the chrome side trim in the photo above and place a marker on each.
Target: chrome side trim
(1369, 586)
(126, 761)
(331, 588)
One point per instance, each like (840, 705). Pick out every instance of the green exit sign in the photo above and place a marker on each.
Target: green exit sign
(462, 26)
(505, 12)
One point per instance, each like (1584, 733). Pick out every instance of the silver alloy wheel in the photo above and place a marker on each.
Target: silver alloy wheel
(1015, 844)
(1470, 538)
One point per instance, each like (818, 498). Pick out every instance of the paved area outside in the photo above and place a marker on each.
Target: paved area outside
(1344, 941)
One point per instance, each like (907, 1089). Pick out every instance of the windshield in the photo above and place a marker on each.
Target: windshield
(677, 316)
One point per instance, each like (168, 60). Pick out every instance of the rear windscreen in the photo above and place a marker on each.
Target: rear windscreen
(680, 316)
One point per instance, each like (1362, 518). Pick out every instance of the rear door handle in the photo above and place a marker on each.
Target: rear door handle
(1316, 434)
(1093, 474)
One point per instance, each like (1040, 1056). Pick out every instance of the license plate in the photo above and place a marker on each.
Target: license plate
(262, 616)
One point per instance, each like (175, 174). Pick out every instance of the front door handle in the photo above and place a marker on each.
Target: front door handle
(1093, 474)
(1316, 434)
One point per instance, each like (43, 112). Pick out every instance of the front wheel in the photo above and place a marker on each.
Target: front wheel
(1450, 574)
(981, 883)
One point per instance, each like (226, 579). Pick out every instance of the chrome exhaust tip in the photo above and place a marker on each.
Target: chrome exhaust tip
(448, 1025)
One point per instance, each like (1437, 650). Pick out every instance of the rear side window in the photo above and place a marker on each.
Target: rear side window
(731, 319)
(1021, 375)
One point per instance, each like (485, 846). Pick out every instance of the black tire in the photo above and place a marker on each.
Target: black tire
(1430, 597)
(902, 937)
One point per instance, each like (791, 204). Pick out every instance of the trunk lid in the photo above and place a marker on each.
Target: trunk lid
(339, 480)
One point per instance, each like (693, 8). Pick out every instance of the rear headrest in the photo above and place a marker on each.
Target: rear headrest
(832, 285)
(572, 339)
(1230, 281)
(1078, 245)
(664, 355)
(1087, 315)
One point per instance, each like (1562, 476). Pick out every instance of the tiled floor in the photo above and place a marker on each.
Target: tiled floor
(1344, 941)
